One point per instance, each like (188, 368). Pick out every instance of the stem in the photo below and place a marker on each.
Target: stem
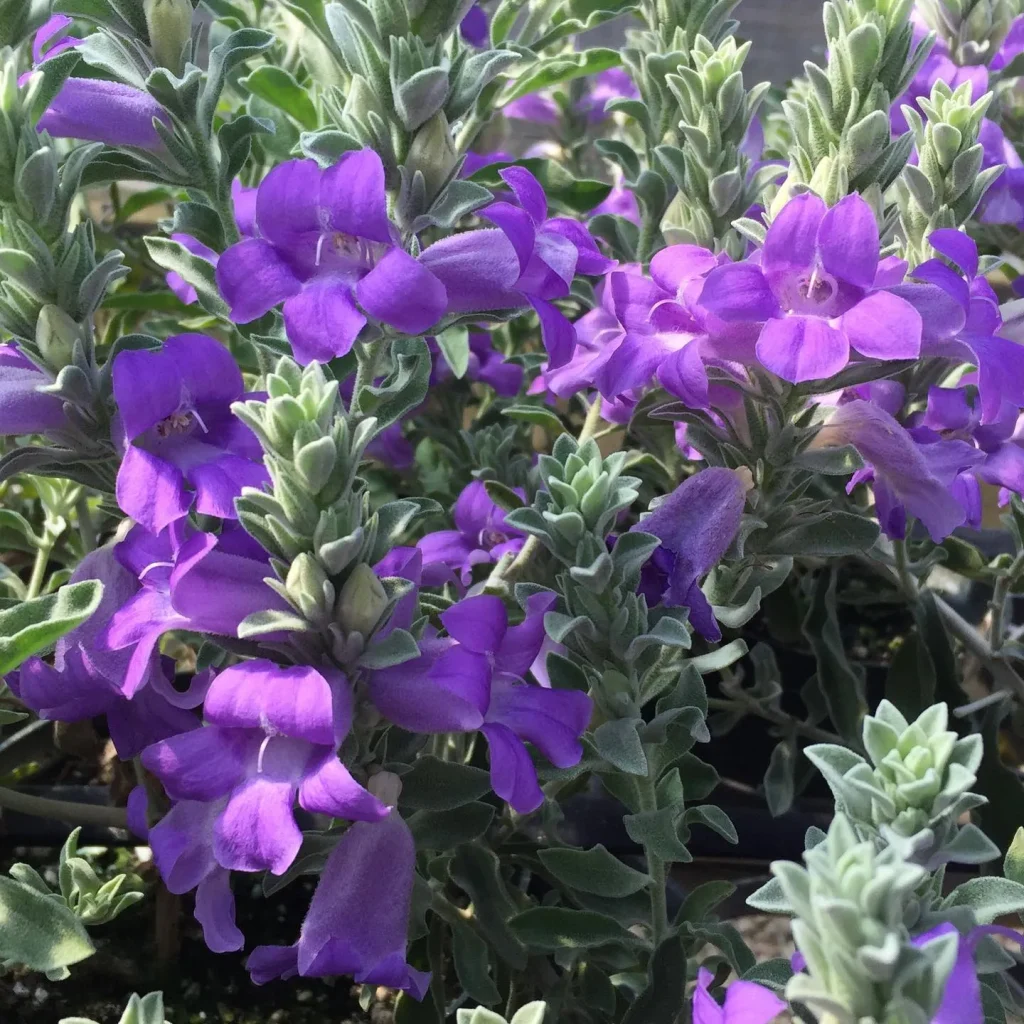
(590, 424)
(655, 867)
(648, 231)
(63, 810)
(535, 20)
(367, 357)
(35, 583)
(999, 596)
(86, 527)
(906, 578)
(779, 718)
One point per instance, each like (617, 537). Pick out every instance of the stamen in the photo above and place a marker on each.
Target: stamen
(263, 750)
(155, 565)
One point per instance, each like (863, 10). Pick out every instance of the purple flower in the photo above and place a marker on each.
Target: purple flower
(548, 255)
(50, 39)
(481, 536)
(904, 480)
(371, 869)
(179, 432)
(538, 107)
(746, 1002)
(325, 247)
(478, 161)
(244, 202)
(814, 293)
(474, 680)
(273, 734)
(24, 409)
(198, 582)
(620, 202)
(85, 681)
(475, 27)
(612, 84)
(696, 524)
(485, 364)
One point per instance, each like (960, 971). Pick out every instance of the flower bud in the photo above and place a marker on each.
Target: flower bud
(308, 587)
(362, 601)
(433, 154)
(169, 23)
(386, 787)
(56, 334)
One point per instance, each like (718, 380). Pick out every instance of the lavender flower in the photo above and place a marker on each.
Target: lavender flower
(474, 680)
(244, 202)
(325, 247)
(814, 293)
(904, 481)
(481, 536)
(475, 27)
(548, 253)
(373, 866)
(85, 681)
(272, 734)
(24, 408)
(174, 409)
(746, 1002)
(189, 580)
(696, 523)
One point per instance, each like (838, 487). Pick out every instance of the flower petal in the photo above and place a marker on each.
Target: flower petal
(513, 776)
(287, 204)
(402, 293)
(330, 789)
(738, 291)
(353, 195)
(791, 244)
(528, 191)
(322, 321)
(256, 831)
(848, 241)
(884, 326)
(202, 764)
(150, 490)
(253, 278)
(215, 911)
(799, 348)
(478, 623)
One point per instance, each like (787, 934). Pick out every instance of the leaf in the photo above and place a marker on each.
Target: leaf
(454, 346)
(551, 929)
(656, 831)
(1013, 864)
(702, 900)
(441, 830)
(436, 785)
(36, 625)
(841, 685)
(396, 648)
(555, 70)
(472, 965)
(278, 88)
(666, 985)
(503, 496)
(715, 819)
(778, 779)
(834, 535)
(538, 415)
(404, 388)
(238, 47)
(619, 744)
(194, 270)
(989, 897)
(475, 870)
(595, 870)
(39, 931)
(770, 899)
(772, 973)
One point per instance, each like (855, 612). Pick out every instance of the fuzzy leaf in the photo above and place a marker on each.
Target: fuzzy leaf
(34, 626)
(595, 870)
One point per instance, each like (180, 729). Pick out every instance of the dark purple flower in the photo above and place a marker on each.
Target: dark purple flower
(485, 364)
(174, 406)
(696, 524)
(198, 582)
(478, 161)
(746, 1002)
(50, 39)
(272, 735)
(244, 202)
(905, 481)
(86, 681)
(24, 409)
(814, 293)
(475, 27)
(548, 253)
(481, 536)
(620, 202)
(611, 84)
(96, 110)
(538, 107)
(325, 247)
(474, 680)
(358, 919)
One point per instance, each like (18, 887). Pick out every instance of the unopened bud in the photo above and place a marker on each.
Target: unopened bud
(362, 602)
(386, 787)
(308, 587)
(56, 334)
(169, 23)
(433, 153)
